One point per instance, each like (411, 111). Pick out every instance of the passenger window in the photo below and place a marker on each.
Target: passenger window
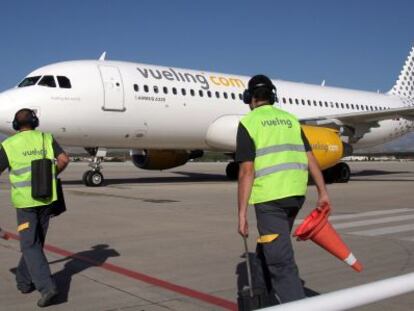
(29, 81)
(225, 95)
(337, 105)
(48, 81)
(315, 103)
(284, 100)
(183, 92)
(326, 104)
(320, 103)
(192, 92)
(217, 94)
(303, 102)
(136, 87)
(64, 82)
(309, 103)
(352, 106)
(342, 105)
(155, 89)
(200, 92)
(233, 96)
(209, 94)
(357, 106)
(240, 96)
(347, 106)
(146, 89)
(165, 89)
(174, 90)
(296, 101)
(290, 101)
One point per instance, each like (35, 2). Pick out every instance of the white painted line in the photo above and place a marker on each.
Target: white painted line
(411, 239)
(365, 214)
(386, 230)
(372, 221)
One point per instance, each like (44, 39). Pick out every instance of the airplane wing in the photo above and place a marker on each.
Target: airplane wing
(356, 124)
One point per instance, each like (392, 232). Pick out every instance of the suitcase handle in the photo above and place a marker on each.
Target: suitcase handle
(249, 272)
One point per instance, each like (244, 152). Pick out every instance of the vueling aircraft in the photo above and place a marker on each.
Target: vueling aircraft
(166, 116)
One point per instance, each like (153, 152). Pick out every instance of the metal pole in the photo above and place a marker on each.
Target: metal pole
(352, 297)
(249, 272)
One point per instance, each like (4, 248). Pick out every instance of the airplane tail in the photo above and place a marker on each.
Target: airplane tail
(404, 87)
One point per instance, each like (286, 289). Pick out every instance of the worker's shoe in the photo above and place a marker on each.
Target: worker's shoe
(47, 298)
(27, 289)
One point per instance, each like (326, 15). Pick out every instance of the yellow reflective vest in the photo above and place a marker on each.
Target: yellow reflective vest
(281, 163)
(21, 149)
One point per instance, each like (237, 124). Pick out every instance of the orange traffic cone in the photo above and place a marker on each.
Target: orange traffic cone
(317, 228)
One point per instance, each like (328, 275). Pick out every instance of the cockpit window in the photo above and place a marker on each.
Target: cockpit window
(48, 81)
(29, 81)
(64, 82)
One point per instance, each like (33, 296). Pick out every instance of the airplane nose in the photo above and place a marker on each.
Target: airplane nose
(6, 114)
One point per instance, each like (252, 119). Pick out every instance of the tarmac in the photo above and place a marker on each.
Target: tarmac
(152, 240)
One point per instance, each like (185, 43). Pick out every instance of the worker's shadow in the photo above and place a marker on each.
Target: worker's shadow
(78, 263)
(260, 278)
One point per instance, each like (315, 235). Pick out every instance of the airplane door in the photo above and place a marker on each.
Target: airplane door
(114, 99)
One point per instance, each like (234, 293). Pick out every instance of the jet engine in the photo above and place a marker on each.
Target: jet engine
(328, 149)
(162, 159)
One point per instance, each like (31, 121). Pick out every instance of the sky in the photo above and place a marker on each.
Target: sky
(353, 44)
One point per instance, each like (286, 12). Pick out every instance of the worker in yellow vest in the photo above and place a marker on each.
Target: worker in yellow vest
(17, 154)
(275, 158)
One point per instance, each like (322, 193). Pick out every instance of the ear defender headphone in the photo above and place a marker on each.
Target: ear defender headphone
(33, 121)
(248, 93)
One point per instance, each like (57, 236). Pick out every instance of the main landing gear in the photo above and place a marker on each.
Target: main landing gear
(94, 177)
(232, 170)
(339, 173)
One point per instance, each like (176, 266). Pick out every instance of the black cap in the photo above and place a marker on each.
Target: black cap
(260, 81)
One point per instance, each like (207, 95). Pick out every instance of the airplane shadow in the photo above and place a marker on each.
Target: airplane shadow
(377, 173)
(77, 263)
(260, 279)
(186, 177)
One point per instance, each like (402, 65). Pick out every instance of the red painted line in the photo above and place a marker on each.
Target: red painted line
(185, 291)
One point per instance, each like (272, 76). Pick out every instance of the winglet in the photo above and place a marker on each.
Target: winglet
(103, 56)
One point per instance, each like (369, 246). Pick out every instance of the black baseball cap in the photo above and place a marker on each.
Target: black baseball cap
(258, 81)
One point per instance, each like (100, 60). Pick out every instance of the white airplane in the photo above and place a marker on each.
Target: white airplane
(166, 116)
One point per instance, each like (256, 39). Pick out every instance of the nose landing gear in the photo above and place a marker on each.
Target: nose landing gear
(94, 177)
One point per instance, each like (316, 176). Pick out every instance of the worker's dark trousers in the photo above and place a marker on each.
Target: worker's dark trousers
(33, 266)
(278, 254)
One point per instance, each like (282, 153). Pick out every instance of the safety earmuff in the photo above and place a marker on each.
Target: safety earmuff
(248, 93)
(33, 121)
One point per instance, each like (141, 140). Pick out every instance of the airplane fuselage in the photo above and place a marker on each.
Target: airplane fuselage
(135, 106)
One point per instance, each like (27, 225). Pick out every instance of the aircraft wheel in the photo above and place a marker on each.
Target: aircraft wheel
(85, 177)
(343, 172)
(232, 170)
(93, 179)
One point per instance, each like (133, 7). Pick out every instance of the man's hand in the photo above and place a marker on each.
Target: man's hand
(243, 226)
(323, 202)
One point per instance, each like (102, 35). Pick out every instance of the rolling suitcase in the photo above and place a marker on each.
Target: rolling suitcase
(255, 295)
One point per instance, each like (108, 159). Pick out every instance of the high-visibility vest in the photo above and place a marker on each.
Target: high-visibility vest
(21, 149)
(281, 163)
